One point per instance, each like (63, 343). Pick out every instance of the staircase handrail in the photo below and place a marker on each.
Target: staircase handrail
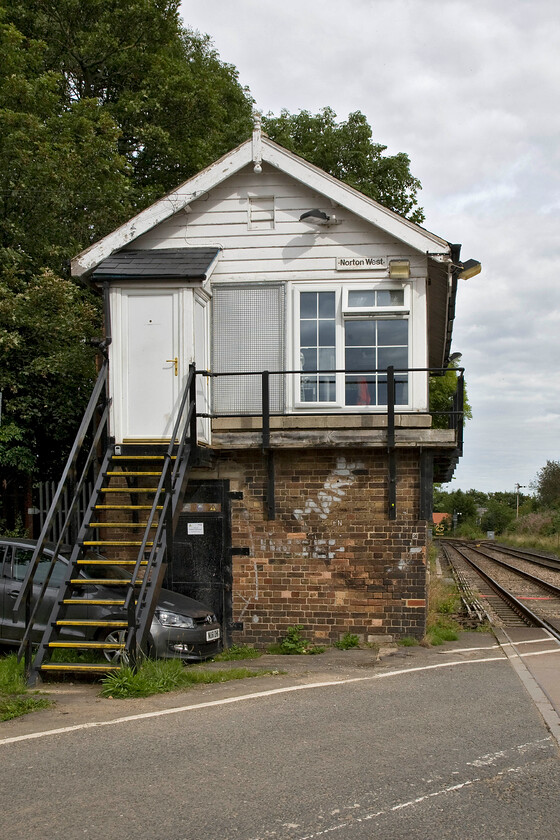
(25, 591)
(92, 451)
(167, 485)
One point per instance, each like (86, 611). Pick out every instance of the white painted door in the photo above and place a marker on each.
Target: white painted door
(152, 371)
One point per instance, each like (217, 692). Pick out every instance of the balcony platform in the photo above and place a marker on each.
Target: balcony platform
(330, 431)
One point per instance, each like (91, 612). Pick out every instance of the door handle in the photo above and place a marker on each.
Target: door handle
(176, 363)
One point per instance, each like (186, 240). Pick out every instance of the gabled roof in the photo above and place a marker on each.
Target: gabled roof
(161, 263)
(257, 150)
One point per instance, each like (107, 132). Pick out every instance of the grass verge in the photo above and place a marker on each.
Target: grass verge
(236, 652)
(444, 601)
(15, 698)
(158, 676)
(535, 542)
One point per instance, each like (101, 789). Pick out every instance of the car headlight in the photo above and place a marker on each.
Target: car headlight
(171, 619)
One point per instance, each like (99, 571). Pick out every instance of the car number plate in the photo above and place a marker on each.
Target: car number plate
(212, 634)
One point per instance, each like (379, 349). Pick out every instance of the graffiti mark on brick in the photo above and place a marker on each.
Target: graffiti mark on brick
(333, 490)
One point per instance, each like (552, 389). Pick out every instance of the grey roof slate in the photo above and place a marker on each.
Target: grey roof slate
(159, 263)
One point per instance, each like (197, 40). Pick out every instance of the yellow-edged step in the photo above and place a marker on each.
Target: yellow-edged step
(104, 582)
(130, 473)
(131, 490)
(98, 602)
(115, 542)
(67, 622)
(110, 562)
(80, 666)
(127, 507)
(88, 645)
(140, 457)
(121, 525)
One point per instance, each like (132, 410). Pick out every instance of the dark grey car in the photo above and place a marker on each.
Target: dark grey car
(182, 628)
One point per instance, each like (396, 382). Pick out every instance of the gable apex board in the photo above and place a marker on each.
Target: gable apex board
(162, 209)
(285, 161)
(353, 200)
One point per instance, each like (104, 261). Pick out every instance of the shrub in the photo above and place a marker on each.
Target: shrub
(349, 640)
(293, 643)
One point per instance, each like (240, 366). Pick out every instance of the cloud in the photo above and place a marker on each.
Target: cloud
(468, 89)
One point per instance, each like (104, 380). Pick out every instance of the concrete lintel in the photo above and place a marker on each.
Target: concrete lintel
(318, 421)
(372, 438)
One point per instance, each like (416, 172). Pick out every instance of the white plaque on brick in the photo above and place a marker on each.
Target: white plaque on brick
(195, 528)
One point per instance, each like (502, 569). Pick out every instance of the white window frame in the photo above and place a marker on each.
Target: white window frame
(345, 313)
(360, 311)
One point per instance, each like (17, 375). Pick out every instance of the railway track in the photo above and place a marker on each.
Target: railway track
(504, 585)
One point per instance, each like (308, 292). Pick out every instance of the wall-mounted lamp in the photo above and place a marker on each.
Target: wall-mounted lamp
(469, 269)
(399, 269)
(319, 217)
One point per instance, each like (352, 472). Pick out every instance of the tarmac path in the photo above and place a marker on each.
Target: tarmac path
(446, 743)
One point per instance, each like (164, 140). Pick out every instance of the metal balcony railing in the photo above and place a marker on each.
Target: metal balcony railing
(383, 392)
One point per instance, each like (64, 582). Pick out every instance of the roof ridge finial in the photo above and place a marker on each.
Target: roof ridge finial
(257, 141)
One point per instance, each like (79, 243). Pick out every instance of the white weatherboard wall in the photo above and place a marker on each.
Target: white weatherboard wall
(290, 250)
(254, 220)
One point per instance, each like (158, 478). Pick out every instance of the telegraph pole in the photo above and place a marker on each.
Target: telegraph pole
(517, 488)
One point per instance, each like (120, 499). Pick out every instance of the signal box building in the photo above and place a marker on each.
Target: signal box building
(315, 318)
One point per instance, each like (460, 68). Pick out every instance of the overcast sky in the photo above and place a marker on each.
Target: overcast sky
(471, 92)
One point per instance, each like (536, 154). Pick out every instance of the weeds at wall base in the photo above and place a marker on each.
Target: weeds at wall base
(444, 601)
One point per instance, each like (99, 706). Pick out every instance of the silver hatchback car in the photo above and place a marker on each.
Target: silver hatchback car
(182, 628)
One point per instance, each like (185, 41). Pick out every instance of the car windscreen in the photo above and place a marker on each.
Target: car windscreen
(105, 571)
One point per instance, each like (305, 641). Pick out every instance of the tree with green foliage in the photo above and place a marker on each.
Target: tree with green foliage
(177, 106)
(63, 182)
(47, 369)
(442, 392)
(347, 151)
(547, 484)
(455, 502)
(103, 107)
(498, 516)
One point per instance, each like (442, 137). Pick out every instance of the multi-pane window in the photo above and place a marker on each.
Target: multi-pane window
(373, 344)
(362, 331)
(317, 327)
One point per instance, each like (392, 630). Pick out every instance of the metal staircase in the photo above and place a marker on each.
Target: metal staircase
(115, 567)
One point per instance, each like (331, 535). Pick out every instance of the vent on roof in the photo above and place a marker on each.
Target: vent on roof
(261, 213)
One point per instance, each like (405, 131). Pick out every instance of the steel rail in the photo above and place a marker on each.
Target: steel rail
(517, 605)
(539, 558)
(554, 590)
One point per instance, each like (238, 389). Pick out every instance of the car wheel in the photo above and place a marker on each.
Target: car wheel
(115, 657)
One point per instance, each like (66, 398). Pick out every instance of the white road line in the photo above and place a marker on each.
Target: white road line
(543, 640)
(254, 696)
(524, 655)
(401, 806)
(482, 761)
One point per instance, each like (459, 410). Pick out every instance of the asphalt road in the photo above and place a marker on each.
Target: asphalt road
(413, 748)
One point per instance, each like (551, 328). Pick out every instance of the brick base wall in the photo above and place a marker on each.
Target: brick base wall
(331, 560)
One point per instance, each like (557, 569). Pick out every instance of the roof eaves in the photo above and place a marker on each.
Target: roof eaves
(162, 209)
(353, 200)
